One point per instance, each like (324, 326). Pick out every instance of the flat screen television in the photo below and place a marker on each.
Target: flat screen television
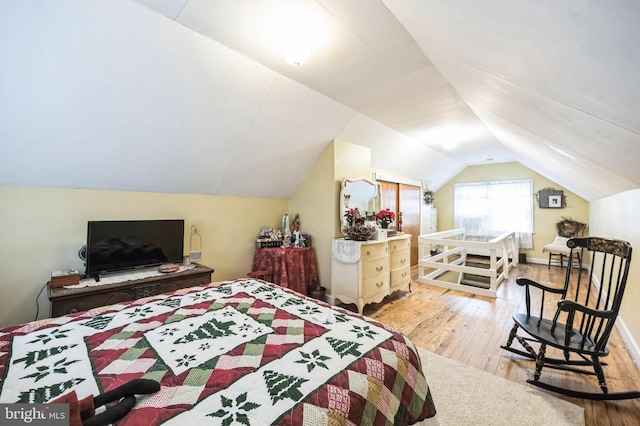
(115, 245)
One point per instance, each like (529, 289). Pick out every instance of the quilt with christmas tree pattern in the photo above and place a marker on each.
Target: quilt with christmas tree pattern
(237, 352)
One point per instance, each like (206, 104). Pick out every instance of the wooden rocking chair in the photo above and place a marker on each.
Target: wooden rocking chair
(582, 321)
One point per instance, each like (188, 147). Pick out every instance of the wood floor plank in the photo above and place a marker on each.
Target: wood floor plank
(470, 329)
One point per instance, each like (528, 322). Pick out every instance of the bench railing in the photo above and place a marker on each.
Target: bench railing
(443, 261)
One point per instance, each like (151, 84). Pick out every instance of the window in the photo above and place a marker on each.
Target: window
(488, 209)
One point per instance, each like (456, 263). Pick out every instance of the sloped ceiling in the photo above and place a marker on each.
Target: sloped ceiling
(193, 96)
(553, 81)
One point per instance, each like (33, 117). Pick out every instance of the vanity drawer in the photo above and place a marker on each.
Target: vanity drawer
(400, 245)
(400, 277)
(374, 267)
(400, 259)
(375, 285)
(370, 251)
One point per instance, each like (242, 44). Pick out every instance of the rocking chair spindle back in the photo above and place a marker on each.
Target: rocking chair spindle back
(580, 325)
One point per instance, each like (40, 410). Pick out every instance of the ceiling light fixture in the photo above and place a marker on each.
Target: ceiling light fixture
(296, 45)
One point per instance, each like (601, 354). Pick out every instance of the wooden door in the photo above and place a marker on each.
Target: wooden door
(404, 198)
(389, 196)
(409, 205)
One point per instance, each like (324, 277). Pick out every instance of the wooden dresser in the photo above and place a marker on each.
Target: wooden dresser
(399, 263)
(366, 272)
(70, 300)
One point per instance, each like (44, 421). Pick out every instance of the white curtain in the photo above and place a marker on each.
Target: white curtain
(488, 209)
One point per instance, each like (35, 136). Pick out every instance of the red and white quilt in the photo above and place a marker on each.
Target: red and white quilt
(238, 352)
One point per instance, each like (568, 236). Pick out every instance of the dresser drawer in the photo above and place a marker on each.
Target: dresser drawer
(374, 267)
(400, 259)
(400, 277)
(375, 285)
(370, 251)
(400, 245)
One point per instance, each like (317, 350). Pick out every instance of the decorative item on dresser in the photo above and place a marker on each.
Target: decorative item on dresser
(285, 237)
(385, 217)
(366, 272)
(362, 232)
(65, 300)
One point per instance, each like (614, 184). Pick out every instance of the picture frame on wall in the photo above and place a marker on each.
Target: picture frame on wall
(550, 198)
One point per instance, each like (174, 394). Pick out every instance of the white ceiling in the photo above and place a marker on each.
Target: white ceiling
(194, 96)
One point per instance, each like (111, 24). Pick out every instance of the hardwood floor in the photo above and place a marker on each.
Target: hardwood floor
(470, 329)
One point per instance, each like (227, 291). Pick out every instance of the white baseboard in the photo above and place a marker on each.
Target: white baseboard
(544, 261)
(627, 338)
(537, 260)
(630, 344)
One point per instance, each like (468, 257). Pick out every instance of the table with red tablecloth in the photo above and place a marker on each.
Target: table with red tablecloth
(293, 268)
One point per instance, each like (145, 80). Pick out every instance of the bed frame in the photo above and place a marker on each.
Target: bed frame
(446, 252)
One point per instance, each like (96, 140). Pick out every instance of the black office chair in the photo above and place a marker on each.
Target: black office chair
(582, 321)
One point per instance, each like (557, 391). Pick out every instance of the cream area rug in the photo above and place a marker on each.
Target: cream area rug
(467, 396)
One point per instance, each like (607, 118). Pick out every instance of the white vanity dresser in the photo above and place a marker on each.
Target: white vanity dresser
(366, 271)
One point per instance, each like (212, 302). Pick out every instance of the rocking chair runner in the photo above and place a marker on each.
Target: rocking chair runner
(581, 324)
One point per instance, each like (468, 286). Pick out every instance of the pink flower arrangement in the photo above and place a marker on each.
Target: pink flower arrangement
(385, 217)
(351, 215)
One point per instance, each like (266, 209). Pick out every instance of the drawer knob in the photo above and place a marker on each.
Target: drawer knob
(394, 246)
(403, 260)
(368, 253)
(379, 268)
(404, 274)
(380, 284)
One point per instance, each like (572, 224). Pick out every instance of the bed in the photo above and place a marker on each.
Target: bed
(235, 352)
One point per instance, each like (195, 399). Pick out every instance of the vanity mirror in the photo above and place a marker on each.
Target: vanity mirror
(358, 193)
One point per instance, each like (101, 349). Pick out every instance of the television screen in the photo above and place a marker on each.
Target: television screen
(124, 244)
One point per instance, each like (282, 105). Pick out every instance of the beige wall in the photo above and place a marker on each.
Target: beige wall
(316, 198)
(617, 217)
(315, 202)
(42, 229)
(544, 220)
(351, 161)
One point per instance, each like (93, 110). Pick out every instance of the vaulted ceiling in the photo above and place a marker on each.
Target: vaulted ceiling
(193, 96)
